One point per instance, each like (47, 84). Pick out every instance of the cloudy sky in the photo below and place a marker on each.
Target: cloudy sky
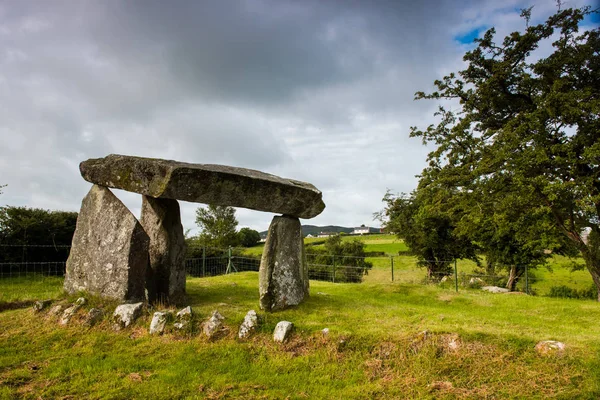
(320, 91)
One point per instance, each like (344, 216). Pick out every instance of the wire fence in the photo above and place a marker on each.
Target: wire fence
(456, 275)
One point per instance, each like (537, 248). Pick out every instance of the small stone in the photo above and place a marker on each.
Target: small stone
(322, 294)
(213, 325)
(125, 314)
(453, 342)
(80, 301)
(56, 310)
(159, 321)
(41, 305)
(475, 281)
(550, 347)
(183, 318)
(440, 385)
(93, 316)
(68, 314)
(282, 330)
(325, 331)
(495, 289)
(249, 325)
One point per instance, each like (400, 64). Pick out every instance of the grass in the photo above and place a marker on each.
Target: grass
(374, 349)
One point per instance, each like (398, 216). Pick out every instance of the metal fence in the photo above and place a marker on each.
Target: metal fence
(459, 274)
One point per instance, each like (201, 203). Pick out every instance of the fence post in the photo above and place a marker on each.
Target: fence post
(392, 261)
(203, 261)
(455, 276)
(526, 280)
(333, 268)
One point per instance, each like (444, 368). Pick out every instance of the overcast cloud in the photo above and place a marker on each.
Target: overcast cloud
(309, 90)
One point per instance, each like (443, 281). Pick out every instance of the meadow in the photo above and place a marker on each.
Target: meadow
(376, 347)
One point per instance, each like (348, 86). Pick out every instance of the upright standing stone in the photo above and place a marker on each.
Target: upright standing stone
(109, 254)
(283, 278)
(165, 278)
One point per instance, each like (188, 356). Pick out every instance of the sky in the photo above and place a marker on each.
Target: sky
(318, 91)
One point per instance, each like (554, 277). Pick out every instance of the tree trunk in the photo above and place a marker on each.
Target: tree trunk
(591, 254)
(513, 277)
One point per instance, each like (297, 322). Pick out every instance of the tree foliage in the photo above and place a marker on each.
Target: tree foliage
(521, 135)
(35, 235)
(248, 237)
(348, 257)
(218, 226)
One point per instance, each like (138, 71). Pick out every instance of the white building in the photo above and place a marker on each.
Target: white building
(361, 230)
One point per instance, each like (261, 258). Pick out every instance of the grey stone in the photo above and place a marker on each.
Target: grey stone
(56, 310)
(165, 277)
(249, 325)
(283, 277)
(475, 281)
(109, 254)
(213, 325)
(81, 301)
(495, 289)
(183, 318)
(282, 331)
(94, 316)
(325, 331)
(159, 321)
(550, 347)
(68, 314)
(41, 305)
(126, 314)
(204, 183)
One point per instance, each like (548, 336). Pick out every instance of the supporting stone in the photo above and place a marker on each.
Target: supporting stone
(109, 254)
(283, 277)
(165, 277)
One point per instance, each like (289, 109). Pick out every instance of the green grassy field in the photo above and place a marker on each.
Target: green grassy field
(374, 349)
(557, 273)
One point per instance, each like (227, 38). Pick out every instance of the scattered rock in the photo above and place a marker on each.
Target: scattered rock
(453, 342)
(68, 314)
(475, 281)
(282, 330)
(126, 314)
(322, 294)
(249, 325)
(159, 321)
(81, 301)
(93, 316)
(325, 331)
(495, 289)
(165, 279)
(213, 325)
(56, 310)
(183, 318)
(109, 254)
(204, 183)
(550, 347)
(283, 280)
(444, 279)
(41, 305)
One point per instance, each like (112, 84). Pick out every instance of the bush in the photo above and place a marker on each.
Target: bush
(566, 292)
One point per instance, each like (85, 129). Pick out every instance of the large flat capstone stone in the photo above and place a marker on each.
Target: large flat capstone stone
(283, 277)
(109, 253)
(165, 277)
(205, 183)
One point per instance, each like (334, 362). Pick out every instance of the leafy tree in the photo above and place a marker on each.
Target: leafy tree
(527, 126)
(248, 237)
(348, 257)
(218, 226)
(2, 186)
(35, 235)
(428, 230)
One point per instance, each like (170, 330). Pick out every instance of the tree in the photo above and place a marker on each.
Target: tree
(2, 186)
(527, 126)
(248, 237)
(428, 230)
(218, 226)
(35, 235)
(347, 256)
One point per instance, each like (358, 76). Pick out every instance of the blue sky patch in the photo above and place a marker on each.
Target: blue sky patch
(468, 37)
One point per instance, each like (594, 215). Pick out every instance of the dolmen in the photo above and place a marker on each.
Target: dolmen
(114, 255)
